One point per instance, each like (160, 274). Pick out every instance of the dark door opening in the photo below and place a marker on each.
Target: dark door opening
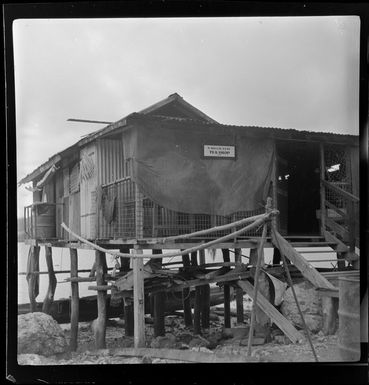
(298, 187)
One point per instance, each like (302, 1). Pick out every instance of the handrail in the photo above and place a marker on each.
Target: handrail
(340, 191)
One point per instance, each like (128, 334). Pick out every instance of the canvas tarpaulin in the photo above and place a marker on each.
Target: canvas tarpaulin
(169, 166)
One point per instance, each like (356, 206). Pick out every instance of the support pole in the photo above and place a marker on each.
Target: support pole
(205, 297)
(158, 308)
(33, 266)
(49, 298)
(197, 306)
(138, 301)
(74, 314)
(100, 327)
(227, 294)
(239, 291)
(186, 300)
(128, 317)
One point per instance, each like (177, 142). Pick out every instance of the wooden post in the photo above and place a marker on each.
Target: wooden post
(124, 262)
(253, 257)
(205, 297)
(227, 294)
(197, 307)
(329, 315)
(74, 314)
(128, 317)
(138, 301)
(49, 298)
(100, 327)
(239, 291)
(159, 319)
(33, 266)
(158, 308)
(186, 300)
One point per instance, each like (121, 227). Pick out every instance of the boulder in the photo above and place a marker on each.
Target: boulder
(39, 333)
(310, 305)
(168, 341)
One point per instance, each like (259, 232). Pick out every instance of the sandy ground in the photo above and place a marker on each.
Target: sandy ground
(278, 350)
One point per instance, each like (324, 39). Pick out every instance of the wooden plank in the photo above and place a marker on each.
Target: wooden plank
(307, 270)
(285, 325)
(159, 319)
(339, 246)
(74, 314)
(49, 298)
(100, 325)
(138, 301)
(341, 192)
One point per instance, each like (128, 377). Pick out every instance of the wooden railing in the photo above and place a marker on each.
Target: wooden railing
(341, 213)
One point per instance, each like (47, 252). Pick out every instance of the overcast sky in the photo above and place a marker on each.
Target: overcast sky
(300, 73)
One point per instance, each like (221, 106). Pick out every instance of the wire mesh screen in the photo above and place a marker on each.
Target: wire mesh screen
(118, 217)
(337, 162)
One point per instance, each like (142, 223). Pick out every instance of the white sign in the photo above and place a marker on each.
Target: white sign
(219, 151)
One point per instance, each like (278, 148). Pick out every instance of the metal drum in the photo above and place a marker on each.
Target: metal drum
(44, 220)
(349, 319)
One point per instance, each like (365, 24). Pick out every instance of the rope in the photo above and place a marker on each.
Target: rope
(202, 246)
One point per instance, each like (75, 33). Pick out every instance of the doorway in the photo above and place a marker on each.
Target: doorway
(298, 187)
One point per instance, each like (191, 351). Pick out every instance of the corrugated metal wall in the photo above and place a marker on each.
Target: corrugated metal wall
(110, 160)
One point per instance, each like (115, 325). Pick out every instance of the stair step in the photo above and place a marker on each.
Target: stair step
(312, 244)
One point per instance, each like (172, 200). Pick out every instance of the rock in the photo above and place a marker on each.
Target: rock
(214, 340)
(184, 338)
(198, 342)
(213, 317)
(146, 360)
(30, 359)
(310, 304)
(39, 333)
(168, 341)
(255, 341)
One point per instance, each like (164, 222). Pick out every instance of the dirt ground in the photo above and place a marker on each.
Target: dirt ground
(213, 340)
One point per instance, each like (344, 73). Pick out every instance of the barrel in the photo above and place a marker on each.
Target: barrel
(44, 220)
(349, 319)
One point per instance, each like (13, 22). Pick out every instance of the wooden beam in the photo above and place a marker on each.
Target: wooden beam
(138, 300)
(100, 329)
(74, 314)
(159, 309)
(128, 317)
(307, 270)
(285, 325)
(49, 298)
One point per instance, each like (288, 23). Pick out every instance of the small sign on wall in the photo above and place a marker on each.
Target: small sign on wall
(219, 151)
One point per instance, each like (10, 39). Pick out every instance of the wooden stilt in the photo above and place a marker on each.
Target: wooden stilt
(124, 262)
(100, 326)
(74, 314)
(159, 319)
(276, 256)
(138, 301)
(253, 257)
(205, 297)
(186, 296)
(49, 298)
(227, 294)
(128, 317)
(197, 311)
(239, 291)
(197, 305)
(329, 315)
(157, 264)
(31, 277)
